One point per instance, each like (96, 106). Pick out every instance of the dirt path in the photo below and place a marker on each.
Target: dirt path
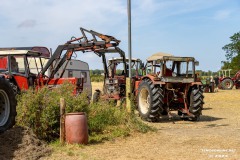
(215, 136)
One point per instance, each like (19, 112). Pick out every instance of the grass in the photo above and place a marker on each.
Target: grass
(39, 110)
(67, 150)
(106, 123)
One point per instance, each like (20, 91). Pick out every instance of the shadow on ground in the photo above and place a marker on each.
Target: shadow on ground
(216, 125)
(205, 118)
(176, 118)
(207, 108)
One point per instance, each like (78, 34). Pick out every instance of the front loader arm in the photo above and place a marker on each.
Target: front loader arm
(99, 47)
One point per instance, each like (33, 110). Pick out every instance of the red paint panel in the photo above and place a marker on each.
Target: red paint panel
(57, 81)
(22, 82)
(137, 83)
(3, 63)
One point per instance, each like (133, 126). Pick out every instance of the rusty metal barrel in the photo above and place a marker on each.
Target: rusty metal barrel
(76, 129)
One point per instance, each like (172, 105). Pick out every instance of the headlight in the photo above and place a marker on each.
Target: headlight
(111, 81)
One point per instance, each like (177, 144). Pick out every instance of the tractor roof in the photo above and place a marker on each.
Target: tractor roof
(43, 50)
(165, 57)
(157, 56)
(20, 52)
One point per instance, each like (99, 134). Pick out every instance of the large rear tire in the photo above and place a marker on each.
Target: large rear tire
(227, 84)
(150, 100)
(196, 103)
(7, 106)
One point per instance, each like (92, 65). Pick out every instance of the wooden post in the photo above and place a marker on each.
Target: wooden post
(62, 120)
(128, 94)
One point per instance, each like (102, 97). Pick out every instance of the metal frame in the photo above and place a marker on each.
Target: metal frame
(107, 44)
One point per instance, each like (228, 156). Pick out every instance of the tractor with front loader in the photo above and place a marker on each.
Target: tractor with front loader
(170, 84)
(18, 73)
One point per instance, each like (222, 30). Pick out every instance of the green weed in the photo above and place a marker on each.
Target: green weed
(40, 110)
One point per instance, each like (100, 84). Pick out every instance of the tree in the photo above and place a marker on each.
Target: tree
(232, 53)
(233, 49)
(96, 72)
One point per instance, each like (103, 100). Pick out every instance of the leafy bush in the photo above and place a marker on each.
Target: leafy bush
(40, 111)
(107, 121)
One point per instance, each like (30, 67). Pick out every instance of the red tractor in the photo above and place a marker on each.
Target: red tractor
(115, 81)
(236, 80)
(21, 69)
(227, 82)
(170, 84)
(18, 72)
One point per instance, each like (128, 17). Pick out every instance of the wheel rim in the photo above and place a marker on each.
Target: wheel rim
(227, 84)
(4, 108)
(144, 101)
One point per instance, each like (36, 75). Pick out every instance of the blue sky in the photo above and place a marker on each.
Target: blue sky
(198, 28)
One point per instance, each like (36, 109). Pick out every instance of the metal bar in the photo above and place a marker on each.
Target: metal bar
(75, 39)
(98, 47)
(83, 33)
(106, 74)
(56, 54)
(128, 79)
(64, 68)
(122, 54)
(129, 39)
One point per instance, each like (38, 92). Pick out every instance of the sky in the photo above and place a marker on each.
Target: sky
(194, 28)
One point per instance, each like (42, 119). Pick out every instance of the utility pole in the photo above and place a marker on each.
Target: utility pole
(128, 79)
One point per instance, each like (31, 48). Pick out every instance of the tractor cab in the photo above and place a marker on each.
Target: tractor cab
(24, 68)
(169, 68)
(116, 67)
(21, 67)
(115, 86)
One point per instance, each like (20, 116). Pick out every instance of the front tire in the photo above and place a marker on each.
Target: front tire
(7, 106)
(150, 101)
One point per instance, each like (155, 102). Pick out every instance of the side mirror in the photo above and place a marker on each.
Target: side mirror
(196, 63)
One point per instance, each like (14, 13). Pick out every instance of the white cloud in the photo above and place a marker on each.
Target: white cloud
(222, 14)
(27, 24)
(151, 12)
(63, 13)
(53, 22)
(56, 18)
